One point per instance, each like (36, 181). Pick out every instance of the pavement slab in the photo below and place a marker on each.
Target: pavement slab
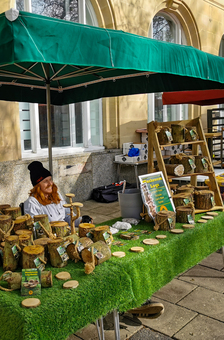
(202, 328)
(205, 277)
(206, 302)
(146, 333)
(174, 291)
(214, 261)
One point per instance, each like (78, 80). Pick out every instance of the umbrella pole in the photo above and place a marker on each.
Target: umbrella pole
(49, 127)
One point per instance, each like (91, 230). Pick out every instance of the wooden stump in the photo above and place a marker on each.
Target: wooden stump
(204, 199)
(43, 219)
(102, 233)
(85, 229)
(24, 240)
(186, 189)
(164, 135)
(185, 214)
(165, 220)
(10, 262)
(24, 232)
(14, 212)
(202, 164)
(3, 207)
(46, 279)
(178, 133)
(95, 255)
(61, 228)
(5, 224)
(74, 250)
(187, 161)
(191, 134)
(30, 253)
(182, 199)
(55, 258)
(20, 223)
(43, 241)
(174, 169)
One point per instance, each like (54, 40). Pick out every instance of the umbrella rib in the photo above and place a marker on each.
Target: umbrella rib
(19, 76)
(84, 73)
(29, 70)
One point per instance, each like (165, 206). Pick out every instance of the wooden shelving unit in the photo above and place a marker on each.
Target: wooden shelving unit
(153, 144)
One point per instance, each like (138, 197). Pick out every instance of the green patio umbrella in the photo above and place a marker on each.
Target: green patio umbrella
(52, 61)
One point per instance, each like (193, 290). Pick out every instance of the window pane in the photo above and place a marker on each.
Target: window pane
(95, 122)
(163, 29)
(20, 5)
(61, 9)
(59, 124)
(78, 123)
(24, 115)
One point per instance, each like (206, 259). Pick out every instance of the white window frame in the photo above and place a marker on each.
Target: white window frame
(151, 97)
(34, 111)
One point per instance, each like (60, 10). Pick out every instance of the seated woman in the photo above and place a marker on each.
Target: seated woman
(44, 197)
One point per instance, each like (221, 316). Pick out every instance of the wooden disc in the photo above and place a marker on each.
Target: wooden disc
(161, 236)
(70, 284)
(150, 241)
(177, 231)
(211, 213)
(207, 217)
(63, 276)
(119, 254)
(70, 195)
(30, 303)
(202, 221)
(188, 226)
(137, 249)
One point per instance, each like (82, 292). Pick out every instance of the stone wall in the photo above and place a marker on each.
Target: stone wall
(78, 174)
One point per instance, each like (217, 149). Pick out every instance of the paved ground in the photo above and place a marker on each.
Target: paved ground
(194, 301)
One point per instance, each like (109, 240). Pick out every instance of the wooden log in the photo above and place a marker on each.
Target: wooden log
(165, 220)
(85, 229)
(5, 224)
(43, 219)
(185, 214)
(191, 134)
(178, 133)
(24, 240)
(201, 187)
(61, 228)
(24, 232)
(74, 249)
(30, 254)
(202, 164)
(13, 212)
(46, 279)
(188, 188)
(204, 199)
(182, 199)
(20, 223)
(164, 135)
(187, 161)
(4, 206)
(43, 241)
(102, 233)
(101, 252)
(10, 262)
(55, 258)
(174, 169)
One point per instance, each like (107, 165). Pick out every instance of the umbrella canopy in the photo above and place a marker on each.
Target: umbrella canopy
(52, 61)
(205, 97)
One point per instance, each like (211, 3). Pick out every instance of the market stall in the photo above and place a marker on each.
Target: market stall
(118, 283)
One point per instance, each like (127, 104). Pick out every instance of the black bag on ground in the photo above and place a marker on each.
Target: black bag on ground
(109, 193)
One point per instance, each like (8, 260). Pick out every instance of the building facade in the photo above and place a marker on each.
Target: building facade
(87, 136)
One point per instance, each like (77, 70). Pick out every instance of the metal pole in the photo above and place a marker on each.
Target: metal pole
(48, 96)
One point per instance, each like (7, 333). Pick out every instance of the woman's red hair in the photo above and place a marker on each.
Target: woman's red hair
(38, 194)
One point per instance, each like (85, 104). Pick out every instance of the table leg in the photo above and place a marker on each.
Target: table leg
(116, 324)
(136, 175)
(118, 172)
(223, 254)
(99, 327)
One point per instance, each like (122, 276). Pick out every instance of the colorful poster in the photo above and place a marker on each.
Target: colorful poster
(155, 193)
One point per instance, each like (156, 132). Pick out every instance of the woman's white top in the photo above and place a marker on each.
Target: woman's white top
(55, 212)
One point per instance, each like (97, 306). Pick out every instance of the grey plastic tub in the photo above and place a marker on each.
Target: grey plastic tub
(130, 203)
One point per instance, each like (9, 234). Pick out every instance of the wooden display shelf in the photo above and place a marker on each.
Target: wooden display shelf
(153, 144)
(216, 207)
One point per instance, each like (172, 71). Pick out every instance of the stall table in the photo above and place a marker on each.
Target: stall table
(117, 284)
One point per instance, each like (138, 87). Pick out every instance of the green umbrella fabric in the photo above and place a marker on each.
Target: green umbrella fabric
(88, 62)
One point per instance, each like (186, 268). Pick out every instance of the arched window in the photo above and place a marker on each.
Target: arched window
(166, 28)
(75, 125)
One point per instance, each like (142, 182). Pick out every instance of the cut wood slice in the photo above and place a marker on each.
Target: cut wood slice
(63, 276)
(161, 236)
(70, 284)
(211, 213)
(207, 217)
(70, 195)
(202, 221)
(119, 254)
(137, 249)
(188, 226)
(30, 303)
(177, 231)
(150, 241)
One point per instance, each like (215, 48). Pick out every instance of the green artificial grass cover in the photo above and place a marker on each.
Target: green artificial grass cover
(119, 283)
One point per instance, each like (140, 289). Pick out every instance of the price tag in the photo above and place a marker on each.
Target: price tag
(193, 134)
(190, 219)
(169, 136)
(80, 246)
(15, 252)
(39, 264)
(192, 165)
(96, 253)
(170, 221)
(204, 163)
(62, 252)
(213, 201)
(186, 201)
(89, 235)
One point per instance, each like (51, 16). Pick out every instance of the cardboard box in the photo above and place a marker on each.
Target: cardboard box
(126, 159)
(144, 137)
